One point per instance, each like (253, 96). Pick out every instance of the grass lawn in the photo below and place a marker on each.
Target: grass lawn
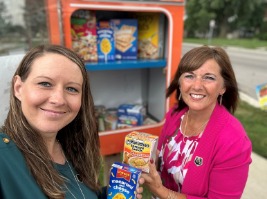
(245, 43)
(254, 121)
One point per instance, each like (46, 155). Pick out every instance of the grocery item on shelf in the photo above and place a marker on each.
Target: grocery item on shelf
(130, 115)
(100, 112)
(105, 41)
(83, 34)
(139, 148)
(123, 181)
(150, 35)
(110, 119)
(126, 33)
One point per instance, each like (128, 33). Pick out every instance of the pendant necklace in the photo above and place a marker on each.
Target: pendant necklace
(75, 177)
(184, 134)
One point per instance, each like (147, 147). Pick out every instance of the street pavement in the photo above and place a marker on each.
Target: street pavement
(256, 187)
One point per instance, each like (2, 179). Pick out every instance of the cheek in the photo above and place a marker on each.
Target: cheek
(75, 104)
(31, 98)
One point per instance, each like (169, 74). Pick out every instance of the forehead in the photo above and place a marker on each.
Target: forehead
(52, 63)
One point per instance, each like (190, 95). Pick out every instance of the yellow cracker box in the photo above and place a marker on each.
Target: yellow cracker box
(139, 148)
(150, 35)
(123, 181)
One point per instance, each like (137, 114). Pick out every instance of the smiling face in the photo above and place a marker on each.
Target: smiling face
(201, 88)
(51, 94)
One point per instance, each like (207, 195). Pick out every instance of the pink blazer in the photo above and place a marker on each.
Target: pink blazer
(224, 152)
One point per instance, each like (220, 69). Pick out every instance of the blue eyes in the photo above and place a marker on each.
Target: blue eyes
(205, 77)
(48, 85)
(45, 84)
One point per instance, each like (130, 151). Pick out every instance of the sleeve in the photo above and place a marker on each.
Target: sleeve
(228, 175)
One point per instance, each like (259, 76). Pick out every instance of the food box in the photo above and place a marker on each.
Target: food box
(83, 34)
(150, 35)
(123, 181)
(105, 41)
(130, 115)
(126, 35)
(139, 148)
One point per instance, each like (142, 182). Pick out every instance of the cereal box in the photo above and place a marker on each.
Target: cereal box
(123, 181)
(126, 33)
(139, 148)
(105, 41)
(150, 35)
(83, 34)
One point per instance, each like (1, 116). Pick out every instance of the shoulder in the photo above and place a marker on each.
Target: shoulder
(5, 141)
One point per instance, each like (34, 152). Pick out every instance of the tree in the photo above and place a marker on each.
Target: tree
(4, 19)
(226, 13)
(35, 20)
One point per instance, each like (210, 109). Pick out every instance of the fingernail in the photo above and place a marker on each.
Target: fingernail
(151, 161)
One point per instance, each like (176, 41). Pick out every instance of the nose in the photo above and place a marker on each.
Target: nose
(197, 83)
(57, 96)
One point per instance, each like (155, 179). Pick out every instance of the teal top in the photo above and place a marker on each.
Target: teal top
(16, 180)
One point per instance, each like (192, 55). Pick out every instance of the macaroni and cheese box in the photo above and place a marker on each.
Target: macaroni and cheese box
(126, 35)
(150, 35)
(105, 41)
(139, 148)
(83, 34)
(123, 181)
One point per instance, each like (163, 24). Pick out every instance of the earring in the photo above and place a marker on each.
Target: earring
(220, 99)
(180, 96)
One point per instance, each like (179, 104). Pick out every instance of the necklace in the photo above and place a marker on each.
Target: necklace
(75, 177)
(76, 180)
(184, 134)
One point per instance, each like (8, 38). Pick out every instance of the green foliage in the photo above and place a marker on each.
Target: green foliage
(228, 14)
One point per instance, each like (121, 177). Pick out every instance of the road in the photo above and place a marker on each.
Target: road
(250, 67)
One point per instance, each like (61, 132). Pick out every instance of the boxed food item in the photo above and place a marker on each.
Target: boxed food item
(105, 41)
(123, 181)
(150, 35)
(130, 115)
(126, 33)
(139, 148)
(83, 34)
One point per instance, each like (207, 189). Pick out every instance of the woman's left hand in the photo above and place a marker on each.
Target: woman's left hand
(153, 181)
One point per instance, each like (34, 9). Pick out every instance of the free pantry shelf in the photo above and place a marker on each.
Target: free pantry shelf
(125, 64)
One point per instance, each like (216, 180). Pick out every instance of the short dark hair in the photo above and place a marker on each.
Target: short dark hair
(193, 60)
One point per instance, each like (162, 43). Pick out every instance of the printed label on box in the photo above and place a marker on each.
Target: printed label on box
(105, 41)
(83, 34)
(123, 181)
(139, 148)
(150, 35)
(126, 34)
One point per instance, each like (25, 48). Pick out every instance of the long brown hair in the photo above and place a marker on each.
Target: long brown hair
(79, 139)
(193, 60)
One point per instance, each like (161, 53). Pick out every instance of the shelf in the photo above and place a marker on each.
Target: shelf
(125, 64)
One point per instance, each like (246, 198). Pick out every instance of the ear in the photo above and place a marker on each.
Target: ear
(17, 87)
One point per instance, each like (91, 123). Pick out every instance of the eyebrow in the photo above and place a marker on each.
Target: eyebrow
(53, 80)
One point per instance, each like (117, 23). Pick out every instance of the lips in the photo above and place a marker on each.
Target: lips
(53, 112)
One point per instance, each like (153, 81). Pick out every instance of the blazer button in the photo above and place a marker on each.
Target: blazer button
(6, 140)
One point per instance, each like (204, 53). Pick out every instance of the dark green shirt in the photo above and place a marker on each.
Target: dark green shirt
(16, 181)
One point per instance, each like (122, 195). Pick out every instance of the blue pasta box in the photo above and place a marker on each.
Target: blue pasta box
(105, 41)
(123, 181)
(126, 38)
